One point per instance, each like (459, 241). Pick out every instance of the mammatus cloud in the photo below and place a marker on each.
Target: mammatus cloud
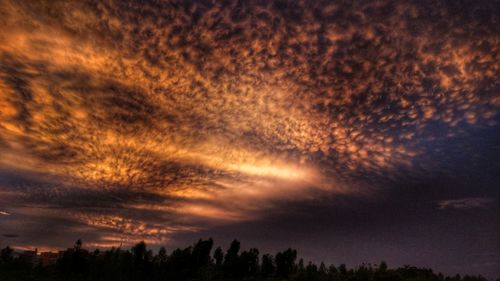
(465, 203)
(144, 119)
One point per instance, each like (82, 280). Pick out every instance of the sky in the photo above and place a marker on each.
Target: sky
(354, 131)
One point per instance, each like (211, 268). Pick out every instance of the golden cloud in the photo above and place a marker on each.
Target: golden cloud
(224, 103)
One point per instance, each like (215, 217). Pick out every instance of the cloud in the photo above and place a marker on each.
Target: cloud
(465, 203)
(177, 115)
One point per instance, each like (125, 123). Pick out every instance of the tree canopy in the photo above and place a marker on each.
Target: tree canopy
(199, 262)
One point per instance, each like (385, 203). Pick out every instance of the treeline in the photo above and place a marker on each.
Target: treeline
(200, 262)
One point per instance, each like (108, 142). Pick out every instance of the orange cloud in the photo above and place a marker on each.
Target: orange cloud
(252, 107)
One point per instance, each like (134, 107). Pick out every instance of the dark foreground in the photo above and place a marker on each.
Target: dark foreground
(197, 262)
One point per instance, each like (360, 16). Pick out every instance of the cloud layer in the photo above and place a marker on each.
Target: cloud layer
(139, 120)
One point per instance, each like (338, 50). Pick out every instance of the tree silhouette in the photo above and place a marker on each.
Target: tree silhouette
(285, 263)
(267, 267)
(249, 262)
(6, 255)
(196, 263)
(218, 256)
(162, 256)
(201, 252)
(231, 257)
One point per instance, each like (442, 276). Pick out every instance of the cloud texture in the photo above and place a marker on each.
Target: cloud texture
(133, 120)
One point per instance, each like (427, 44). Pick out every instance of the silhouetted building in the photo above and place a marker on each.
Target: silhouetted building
(48, 258)
(30, 256)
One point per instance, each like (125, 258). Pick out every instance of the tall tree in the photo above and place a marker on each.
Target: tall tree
(218, 256)
(285, 262)
(231, 258)
(267, 267)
